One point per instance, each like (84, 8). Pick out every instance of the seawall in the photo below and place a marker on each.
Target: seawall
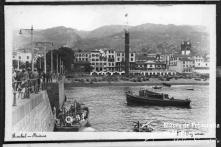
(33, 114)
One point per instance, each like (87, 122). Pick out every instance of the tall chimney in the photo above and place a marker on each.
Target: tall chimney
(127, 42)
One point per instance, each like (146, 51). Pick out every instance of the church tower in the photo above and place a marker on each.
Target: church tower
(185, 48)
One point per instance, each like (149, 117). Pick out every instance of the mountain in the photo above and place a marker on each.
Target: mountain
(149, 38)
(146, 37)
(60, 36)
(106, 31)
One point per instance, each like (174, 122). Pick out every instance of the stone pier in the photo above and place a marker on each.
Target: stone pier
(33, 114)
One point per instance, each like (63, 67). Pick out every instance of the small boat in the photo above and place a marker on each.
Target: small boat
(146, 97)
(157, 87)
(189, 89)
(198, 79)
(142, 127)
(71, 117)
(167, 84)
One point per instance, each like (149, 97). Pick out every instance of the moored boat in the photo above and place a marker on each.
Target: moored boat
(167, 84)
(72, 117)
(146, 97)
(142, 127)
(157, 87)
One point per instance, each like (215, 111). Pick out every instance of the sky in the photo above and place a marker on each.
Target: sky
(89, 17)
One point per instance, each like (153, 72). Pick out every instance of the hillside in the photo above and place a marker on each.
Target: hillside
(146, 37)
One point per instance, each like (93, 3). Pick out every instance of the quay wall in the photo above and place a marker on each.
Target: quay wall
(33, 114)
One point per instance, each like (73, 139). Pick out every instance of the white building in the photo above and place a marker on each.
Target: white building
(199, 61)
(181, 64)
(82, 56)
(22, 57)
(110, 56)
(201, 64)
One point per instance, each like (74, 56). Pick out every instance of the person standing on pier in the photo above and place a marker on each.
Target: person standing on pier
(35, 80)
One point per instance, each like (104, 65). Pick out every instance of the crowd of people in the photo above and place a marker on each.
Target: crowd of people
(26, 80)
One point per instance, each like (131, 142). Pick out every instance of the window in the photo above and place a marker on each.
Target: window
(118, 54)
(122, 54)
(112, 64)
(109, 64)
(19, 57)
(131, 59)
(118, 59)
(132, 54)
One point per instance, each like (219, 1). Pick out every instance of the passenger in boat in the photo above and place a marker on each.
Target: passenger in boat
(61, 116)
(78, 117)
(83, 116)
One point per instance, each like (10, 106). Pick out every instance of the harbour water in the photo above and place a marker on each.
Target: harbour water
(109, 110)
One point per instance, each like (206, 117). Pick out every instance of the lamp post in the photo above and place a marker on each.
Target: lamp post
(32, 50)
(52, 61)
(57, 64)
(44, 45)
(18, 64)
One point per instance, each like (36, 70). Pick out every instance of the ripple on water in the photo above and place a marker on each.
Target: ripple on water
(110, 112)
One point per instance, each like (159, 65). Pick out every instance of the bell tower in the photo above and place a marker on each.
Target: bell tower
(186, 48)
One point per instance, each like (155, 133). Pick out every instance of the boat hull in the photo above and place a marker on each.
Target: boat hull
(73, 128)
(137, 100)
(166, 84)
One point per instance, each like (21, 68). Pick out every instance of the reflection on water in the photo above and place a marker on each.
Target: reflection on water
(110, 112)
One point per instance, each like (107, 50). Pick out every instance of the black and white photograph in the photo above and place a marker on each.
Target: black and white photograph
(198, 143)
(99, 72)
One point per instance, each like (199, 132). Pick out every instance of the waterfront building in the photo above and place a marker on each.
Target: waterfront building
(109, 55)
(120, 60)
(150, 65)
(106, 59)
(201, 64)
(82, 56)
(22, 56)
(98, 62)
(200, 61)
(181, 64)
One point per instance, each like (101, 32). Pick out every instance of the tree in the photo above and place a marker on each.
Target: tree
(88, 68)
(67, 56)
(40, 60)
